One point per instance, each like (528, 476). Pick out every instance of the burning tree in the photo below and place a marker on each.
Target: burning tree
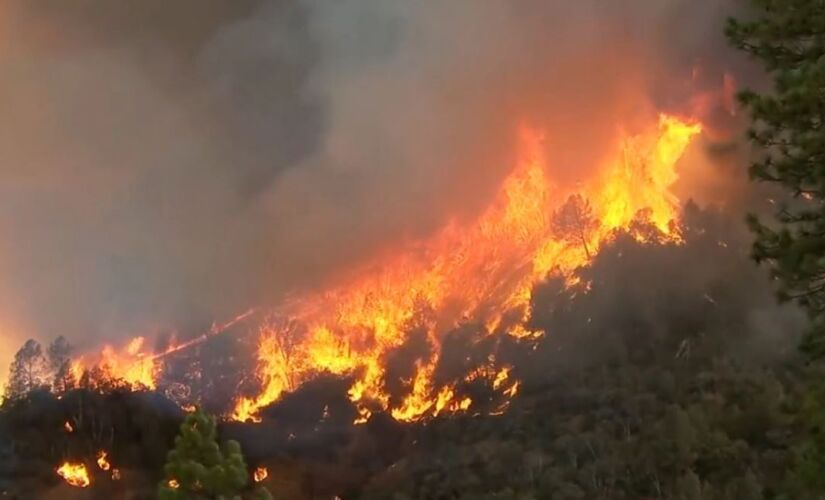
(574, 221)
(198, 468)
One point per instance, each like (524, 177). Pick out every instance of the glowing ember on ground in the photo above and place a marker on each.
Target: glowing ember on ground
(485, 271)
(75, 474)
(259, 474)
(102, 461)
(68, 427)
(173, 483)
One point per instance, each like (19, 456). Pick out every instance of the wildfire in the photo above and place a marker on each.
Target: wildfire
(132, 365)
(137, 366)
(67, 426)
(259, 474)
(485, 271)
(75, 474)
(173, 483)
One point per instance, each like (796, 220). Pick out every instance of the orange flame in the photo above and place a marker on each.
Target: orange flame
(132, 365)
(173, 483)
(486, 271)
(68, 426)
(259, 474)
(102, 461)
(136, 366)
(74, 474)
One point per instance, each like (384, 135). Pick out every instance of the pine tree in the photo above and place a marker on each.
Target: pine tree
(60, 365)
(197, 468)
(788, 37)
(27, 372)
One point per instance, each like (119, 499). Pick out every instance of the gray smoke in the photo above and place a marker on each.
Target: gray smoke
(169, 162)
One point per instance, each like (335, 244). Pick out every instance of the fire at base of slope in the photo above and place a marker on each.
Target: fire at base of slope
(483, 272)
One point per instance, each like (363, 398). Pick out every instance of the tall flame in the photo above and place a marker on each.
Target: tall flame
(486, 271)
(132, 365)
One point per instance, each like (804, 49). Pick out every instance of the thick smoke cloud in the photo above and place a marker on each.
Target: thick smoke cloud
(167, 163)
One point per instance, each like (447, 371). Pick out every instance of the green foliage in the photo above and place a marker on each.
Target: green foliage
(197, 468)
(788, 37)
(604, 434)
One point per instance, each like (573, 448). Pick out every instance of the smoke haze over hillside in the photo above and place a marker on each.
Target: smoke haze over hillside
(168, 163)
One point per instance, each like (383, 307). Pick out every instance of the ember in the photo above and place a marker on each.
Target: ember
(259, 474)
(75, 474)
(102, 461)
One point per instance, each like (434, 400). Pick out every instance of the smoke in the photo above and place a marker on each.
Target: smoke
(168, 164)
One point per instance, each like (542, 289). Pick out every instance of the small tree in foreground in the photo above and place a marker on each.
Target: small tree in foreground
(197, 468)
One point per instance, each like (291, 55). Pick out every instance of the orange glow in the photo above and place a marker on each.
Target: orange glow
(259, 474)
(485, 270)
(136, 366)
(67, 426)
(173, 483)
(132, 366)
(102, 461)
(115, 474)
(74, 474)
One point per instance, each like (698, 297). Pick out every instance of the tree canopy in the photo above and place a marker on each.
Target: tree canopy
(788, 38)
(28, 371)
(788, 128)
(198, 468)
